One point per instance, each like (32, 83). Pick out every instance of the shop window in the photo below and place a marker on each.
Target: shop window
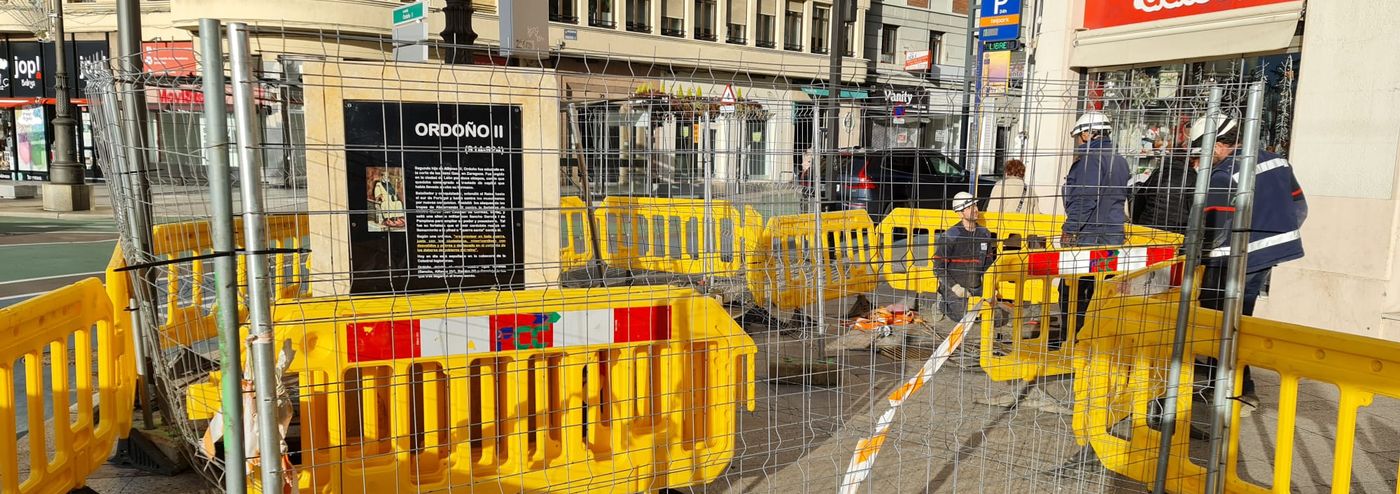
(756, 146)
(705, 20)
(600, 13)
(888, 36)
(639, 16)
(563, 11)
(792, 24)
(821, 27)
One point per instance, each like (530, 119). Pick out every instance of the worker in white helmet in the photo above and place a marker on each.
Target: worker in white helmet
(1274, 233)
(962, 255)
(1095, 198)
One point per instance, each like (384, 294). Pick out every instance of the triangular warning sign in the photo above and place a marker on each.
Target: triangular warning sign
(728, 98)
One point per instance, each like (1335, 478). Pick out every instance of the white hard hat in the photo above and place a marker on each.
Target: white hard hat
(1090, 121)
(1223, 124)
(963, 200)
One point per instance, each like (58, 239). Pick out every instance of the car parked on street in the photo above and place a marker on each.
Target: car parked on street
(880, 180)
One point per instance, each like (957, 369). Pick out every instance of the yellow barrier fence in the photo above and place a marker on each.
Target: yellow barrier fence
(1034, 343)
(674, 236)
(575, 239)
(1122, 373)
(189, 310)
(552, 390)
(907, 238)
(793, 253)
(85, 345)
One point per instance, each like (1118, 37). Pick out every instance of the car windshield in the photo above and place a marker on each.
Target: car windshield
(940, 165)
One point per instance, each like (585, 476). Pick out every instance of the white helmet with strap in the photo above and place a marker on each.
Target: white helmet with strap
(1091, 121)
(1223, 125)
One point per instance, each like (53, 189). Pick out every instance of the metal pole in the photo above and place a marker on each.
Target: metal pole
(833, 117)
(260, 335)
(1234, 292)
(1188, 283)
(138, 188)
(969, 66)
(65, 170)
(226, 265)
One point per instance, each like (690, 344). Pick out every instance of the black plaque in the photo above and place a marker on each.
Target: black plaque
(435, 192)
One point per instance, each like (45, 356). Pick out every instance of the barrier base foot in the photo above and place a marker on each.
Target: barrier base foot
(150, 451)
(83, 490)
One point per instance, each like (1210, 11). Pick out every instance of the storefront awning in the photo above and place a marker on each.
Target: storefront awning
(1231, 32)
(821, 92)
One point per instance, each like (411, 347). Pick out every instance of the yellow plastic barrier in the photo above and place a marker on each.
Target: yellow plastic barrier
(910, 267)
(73, 326)
(188, 309)
(575, 240)
(552, 390)
(1124, 368)
(673, 236)
(1029, 282)
(793, 253)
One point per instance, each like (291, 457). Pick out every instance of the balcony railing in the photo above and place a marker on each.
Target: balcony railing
(736, 34)
(638, 27)
(604, 19)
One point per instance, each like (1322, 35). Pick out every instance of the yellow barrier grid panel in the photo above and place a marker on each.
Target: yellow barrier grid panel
(792, 254)
(547, 390)
(76, 335)
(187, 309)
(680, 236)
(575, 238)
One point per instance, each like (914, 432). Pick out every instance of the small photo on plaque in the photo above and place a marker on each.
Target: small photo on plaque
(384, 186)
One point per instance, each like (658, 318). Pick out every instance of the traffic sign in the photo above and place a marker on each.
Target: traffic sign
(411, 12)
(727, 101)
(1007, 45)
(999, 20)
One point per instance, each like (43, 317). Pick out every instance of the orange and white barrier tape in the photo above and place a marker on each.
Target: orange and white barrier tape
(863, 461)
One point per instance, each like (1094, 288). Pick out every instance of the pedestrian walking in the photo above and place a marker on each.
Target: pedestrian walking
(1095, 196)
(1274, 238)
(1011, 194)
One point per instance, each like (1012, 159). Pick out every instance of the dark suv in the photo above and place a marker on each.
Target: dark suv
(879, 181)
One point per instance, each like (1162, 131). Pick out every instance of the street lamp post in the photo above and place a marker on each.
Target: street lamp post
(66, 189)
(458, 31)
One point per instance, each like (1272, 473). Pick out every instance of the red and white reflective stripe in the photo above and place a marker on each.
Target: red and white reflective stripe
(1096, 261)
(442, 337)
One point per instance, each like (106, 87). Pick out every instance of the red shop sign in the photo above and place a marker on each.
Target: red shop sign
(171, 58)
(1109, 13)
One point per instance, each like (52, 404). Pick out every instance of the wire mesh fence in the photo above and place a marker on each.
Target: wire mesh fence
(592, 272)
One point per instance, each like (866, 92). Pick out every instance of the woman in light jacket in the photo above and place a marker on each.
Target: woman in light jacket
(1010, 194)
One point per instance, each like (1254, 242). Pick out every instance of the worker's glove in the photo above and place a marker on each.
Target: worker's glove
(959, 291)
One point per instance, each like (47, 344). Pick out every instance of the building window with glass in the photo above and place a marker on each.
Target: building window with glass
(673, 18)
(563, 11)
(767, 24)
(705, 20)
(935, 47)
(756, 146)
(639, 16)
(821, 27)
(888, 35)
(792, 23)
(600, 13)
(850, 38)
(736, 31)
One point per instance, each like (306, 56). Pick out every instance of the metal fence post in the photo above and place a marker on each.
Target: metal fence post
(260, 335)
(225, 265)
(1224, 408)
(1188, 283)
(138, 187)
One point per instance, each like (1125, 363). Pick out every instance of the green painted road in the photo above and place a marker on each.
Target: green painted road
(39, 255)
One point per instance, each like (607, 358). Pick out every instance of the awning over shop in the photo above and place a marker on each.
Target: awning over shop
(1254, 29)
(821, 92)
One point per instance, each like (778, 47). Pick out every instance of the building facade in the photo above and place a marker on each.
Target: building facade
(1329, 110)
(916, 53)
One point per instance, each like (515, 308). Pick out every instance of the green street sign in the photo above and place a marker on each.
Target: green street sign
(410, 12)
(1005, 45)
